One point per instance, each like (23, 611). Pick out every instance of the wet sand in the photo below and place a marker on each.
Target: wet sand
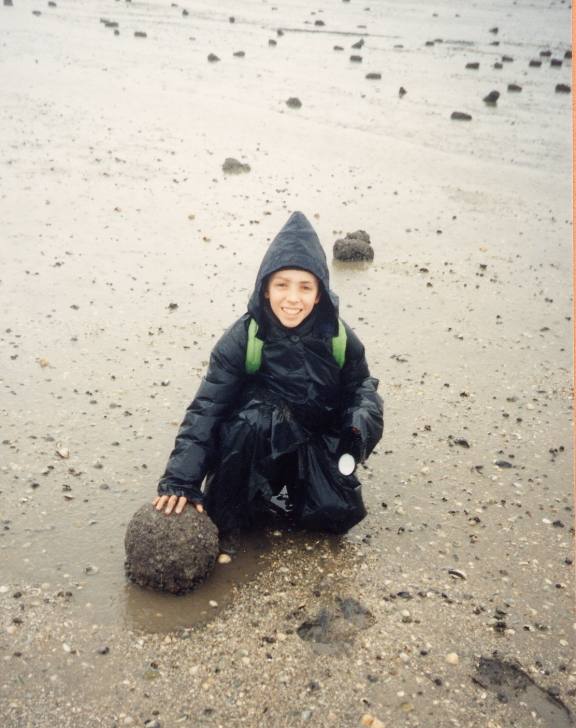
(114, 207)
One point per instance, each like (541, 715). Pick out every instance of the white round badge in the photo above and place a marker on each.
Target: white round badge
(346, 464)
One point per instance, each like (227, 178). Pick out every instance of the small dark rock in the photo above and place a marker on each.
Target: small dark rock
(568, 55)
(294, 103)
(460, 116)
(562, 88)
(460, 441)
(373, 76)
(507, 59)
(319, 23)
(36, 12)
(231, 19)
(8, 3)
(534, 63)
(514, 88)
(473, 66)
(402, 91)
(233, 166)
(492, 98)
(503, 464)
(140, 34)
(104, 650)
(172, 306)
(239, 54)
(498, 65)
(354, 247)
(358, 44)
(555, 62)
(272, 42)
(494, 30)
(338, 48)
(185, 12)
(429, 43)
(213, 58)
(356, 59)
(52, 4)
(545, 54)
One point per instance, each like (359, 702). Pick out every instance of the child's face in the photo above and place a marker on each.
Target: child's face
(292, 294)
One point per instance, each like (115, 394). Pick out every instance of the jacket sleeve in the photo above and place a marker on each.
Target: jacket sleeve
(196, 441)
(362, 408)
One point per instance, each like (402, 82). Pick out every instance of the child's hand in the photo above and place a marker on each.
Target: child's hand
(351, 442)
(173, 500)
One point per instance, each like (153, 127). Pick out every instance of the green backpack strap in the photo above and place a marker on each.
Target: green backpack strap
(339, 345)
(253, 349)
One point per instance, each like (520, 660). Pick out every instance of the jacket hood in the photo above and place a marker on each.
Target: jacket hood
(296, 246)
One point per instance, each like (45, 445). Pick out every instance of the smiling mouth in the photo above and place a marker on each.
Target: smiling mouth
(291, 311)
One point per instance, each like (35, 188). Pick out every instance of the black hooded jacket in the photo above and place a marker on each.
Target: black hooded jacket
(297, 369)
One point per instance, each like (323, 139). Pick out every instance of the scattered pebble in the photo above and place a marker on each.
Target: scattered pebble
(460, 116)
(370, 721)
(452, 658)
(492, 98)
(457, 574)
(233, 166)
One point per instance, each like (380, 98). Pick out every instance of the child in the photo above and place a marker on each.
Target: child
(287, 392)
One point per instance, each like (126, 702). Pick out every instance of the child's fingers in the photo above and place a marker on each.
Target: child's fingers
(159, 501)
(181, 504)
(172, 500)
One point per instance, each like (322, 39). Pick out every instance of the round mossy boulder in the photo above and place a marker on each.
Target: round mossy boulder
(171, 553)
(354, 247)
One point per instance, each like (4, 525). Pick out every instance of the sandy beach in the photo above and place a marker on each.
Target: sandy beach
(126, 251)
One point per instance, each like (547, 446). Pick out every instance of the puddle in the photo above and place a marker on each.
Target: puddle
(160, 612)
(512, 684)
